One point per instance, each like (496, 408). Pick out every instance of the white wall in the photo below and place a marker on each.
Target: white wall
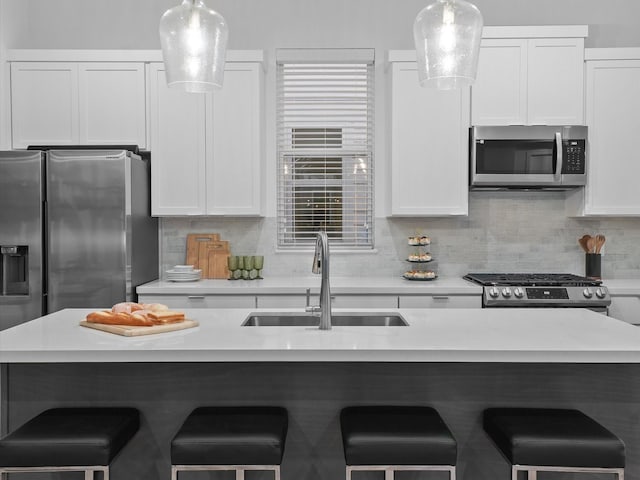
(276, 23)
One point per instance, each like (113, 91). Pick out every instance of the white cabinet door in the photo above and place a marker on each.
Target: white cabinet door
(44, 103)
(364, 301)
(613, 117)
(429, 147)
(499, 94)
(555, 81)
(112, 103)
(202, 301)
(440, 301)
(285, 301)
(537, 81)
(235, 136)
(178, 136)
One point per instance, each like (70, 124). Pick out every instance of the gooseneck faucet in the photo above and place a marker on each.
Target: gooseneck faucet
(321, 265)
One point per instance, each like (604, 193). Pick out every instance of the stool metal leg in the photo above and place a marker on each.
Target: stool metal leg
(389, 470)
(238, 469)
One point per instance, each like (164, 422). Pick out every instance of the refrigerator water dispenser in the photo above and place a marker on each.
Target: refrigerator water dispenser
(14, 271)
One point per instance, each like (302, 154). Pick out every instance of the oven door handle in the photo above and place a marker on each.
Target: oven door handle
(559, 158)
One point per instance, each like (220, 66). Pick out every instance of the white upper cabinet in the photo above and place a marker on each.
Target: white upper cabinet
(44, 104)
(532, 76)
(429, 144)
(178, 147)
(499, 94)
(234, 172)
(112, 103)
(613, 118)
(207, 148)
(58, 103)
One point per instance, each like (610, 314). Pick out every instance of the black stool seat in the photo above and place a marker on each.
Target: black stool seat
(553, 437)
(231, 436)
(70, 437)
(396, 435)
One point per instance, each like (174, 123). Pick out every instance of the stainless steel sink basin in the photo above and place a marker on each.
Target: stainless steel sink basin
(337, 320)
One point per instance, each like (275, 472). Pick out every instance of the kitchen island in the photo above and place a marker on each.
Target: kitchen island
(458, 360)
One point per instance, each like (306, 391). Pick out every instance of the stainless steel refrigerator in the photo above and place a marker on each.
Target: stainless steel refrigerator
(75, 230)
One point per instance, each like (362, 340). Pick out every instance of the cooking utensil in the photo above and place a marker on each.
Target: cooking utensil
(583, 241)
(600, 239)
(591, 245)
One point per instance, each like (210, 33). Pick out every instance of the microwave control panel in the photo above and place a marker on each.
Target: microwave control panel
(573, 152)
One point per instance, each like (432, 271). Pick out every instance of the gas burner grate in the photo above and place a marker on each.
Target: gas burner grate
(532, 279)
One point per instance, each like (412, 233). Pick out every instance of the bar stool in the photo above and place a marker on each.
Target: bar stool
(554, 440)
(393, 438)
(230, 438)
(69, 439)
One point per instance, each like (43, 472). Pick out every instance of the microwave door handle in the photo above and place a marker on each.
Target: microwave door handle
(559, 157)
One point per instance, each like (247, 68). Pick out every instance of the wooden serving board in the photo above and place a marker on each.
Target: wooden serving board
(206, 252)
(194, 240)
(131, 331)
(217, 260)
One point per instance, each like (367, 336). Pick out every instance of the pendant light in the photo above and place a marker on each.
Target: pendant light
(447, 35)
(194, 43)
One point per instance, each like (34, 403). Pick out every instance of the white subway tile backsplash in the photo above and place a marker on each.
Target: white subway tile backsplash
(504, 232)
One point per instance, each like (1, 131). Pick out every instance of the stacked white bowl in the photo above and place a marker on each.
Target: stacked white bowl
(183, 273)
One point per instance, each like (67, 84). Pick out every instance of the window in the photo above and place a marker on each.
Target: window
(325, 147)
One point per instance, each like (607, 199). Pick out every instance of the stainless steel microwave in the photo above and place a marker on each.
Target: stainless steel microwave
(523, 157)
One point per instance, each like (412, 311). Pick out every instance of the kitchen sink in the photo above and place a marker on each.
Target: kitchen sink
(337, 320)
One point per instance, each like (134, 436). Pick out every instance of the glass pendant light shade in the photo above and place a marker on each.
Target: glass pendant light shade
(194, 43)
(447, 35)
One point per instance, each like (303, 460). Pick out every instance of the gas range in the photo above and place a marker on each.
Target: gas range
(541, 290)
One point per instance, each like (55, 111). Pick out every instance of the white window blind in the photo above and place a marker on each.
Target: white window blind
(325, 147)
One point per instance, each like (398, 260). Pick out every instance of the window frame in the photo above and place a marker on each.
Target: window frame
(324, 138)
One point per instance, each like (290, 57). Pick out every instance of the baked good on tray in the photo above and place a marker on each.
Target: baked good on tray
(136, 314)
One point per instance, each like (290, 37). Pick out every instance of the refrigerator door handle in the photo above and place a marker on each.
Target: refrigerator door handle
(45, 258)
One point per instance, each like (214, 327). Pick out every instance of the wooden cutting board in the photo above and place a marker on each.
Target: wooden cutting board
(194, 241)
(206, 252)
(217, 260)
(131, 331)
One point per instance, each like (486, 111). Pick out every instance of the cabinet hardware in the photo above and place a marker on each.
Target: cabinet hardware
(195, 297)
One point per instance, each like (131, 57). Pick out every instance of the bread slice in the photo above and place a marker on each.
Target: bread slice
(165, 316)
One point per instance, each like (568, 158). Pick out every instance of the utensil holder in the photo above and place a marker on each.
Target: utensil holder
(592, 265)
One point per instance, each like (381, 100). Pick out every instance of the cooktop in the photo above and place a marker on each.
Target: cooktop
(532, 279)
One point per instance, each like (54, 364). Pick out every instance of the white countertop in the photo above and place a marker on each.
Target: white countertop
(434, 335)
(623, 286)
(299, 285)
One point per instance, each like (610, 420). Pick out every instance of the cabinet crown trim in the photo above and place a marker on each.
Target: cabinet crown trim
(531, 31)
(45, 55)
(630, 53)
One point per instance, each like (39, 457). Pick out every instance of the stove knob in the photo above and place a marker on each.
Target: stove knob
(587, 293)
(518, 292)
(506, 292)
(493, 292)
(600, 293)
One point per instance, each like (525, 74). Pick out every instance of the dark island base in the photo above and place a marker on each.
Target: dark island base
(314, 393)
